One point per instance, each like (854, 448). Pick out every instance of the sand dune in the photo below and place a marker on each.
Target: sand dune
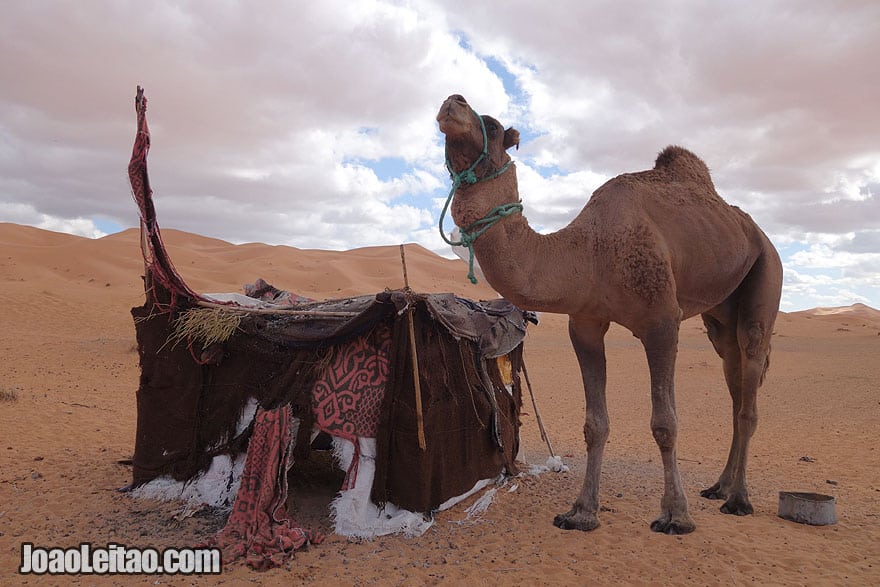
(69, 372)
(214, 265)
(855, 311)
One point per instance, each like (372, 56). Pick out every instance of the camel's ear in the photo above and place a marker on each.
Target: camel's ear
(511, 138)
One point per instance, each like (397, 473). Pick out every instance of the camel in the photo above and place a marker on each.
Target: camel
(648, 250)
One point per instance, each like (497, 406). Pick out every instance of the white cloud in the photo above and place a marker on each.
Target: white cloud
(825, 256)
(21, 213)
(552, 202)
(79, 226)
(802, 290)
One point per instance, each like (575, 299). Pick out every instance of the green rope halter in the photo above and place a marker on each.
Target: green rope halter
(471, 232)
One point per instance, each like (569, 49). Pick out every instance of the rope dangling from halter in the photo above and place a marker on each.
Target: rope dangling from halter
(470, 233)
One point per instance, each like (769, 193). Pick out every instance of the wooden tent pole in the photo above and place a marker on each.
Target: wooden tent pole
(420, 420)
(544, 436)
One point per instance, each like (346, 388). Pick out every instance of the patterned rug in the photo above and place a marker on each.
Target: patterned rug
(347, 396)
(259, 529)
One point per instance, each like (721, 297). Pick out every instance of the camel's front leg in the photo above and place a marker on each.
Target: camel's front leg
(587, 337)
(661, 346)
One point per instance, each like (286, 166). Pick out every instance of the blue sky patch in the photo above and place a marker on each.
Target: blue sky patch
(386, 168)
(107, 226)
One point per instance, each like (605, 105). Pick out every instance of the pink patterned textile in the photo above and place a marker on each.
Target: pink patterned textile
(259, 528)
(347, 397)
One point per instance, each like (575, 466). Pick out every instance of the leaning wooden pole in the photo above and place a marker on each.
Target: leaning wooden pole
(544, 436)
(420, 420)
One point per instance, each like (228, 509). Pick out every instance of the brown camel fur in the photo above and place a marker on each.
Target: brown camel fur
(648, 250)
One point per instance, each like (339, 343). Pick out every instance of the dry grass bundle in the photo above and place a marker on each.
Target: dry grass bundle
(205, 325)
(8, 394)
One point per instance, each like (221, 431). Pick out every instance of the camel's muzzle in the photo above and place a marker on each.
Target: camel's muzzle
(455, 116)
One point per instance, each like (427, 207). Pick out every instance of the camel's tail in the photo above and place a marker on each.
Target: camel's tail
(683, 164)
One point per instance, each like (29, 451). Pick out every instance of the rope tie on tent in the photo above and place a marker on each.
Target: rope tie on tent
(473, 231)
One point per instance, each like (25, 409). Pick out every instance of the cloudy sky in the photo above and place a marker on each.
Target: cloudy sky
(311, 124)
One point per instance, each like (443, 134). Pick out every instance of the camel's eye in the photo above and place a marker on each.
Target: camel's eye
(492, 127)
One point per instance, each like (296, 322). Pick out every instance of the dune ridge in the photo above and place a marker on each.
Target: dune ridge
(857, 310)
(209, 264)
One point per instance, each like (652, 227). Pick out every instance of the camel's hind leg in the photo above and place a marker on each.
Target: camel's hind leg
(731, 484)
(740, 330)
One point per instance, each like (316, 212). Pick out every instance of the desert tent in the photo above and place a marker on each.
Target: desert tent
(226, 377)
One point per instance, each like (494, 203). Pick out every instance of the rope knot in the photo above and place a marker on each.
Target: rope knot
(472, 232)
(469, 177)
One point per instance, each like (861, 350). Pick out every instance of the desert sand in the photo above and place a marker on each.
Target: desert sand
(69, 372)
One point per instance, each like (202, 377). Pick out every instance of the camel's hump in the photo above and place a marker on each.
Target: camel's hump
(683, 164)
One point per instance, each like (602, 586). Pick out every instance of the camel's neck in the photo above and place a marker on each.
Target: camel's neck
(534, 271)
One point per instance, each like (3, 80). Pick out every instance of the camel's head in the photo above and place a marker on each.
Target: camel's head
(464, 137)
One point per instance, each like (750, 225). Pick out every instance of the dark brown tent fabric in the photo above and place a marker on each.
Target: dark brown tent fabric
(460, 449)
(187, 412)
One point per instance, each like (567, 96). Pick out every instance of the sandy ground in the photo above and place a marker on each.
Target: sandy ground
(69, 372)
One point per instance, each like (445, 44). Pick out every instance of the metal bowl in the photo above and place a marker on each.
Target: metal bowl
(815, 509)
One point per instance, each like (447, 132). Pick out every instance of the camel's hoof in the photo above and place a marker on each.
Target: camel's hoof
(576, 521)
(738, 506)
(673, 526)
(713, 492)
